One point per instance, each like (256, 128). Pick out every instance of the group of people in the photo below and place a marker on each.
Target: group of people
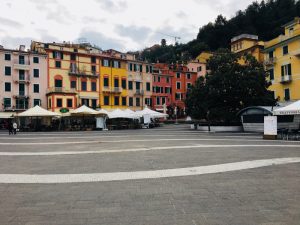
(12, 128)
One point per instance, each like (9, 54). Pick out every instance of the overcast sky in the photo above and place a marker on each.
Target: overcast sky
(120, 24)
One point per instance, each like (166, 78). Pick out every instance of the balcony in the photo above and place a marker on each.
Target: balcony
(112, 89)
(117, 90)
(139, 92)
(52, 90)
(21, 65)
(82, 73)
(297, 53)
(286, 79)
(270, 61)
(23, 79)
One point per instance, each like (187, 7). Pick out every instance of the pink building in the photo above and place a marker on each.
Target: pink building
(23, 80)
(199, 67)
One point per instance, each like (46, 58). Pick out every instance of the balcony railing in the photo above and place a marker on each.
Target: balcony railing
(82, 73)
(286, 78)
(139, 92)
(60, 90)
(21, 65)
(270, 61)
(117, 89)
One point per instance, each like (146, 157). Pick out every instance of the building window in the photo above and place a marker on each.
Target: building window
(83, 86)
(49, 103)
(57, 64)
(36, 73)
(130, 66)
(124, 82)
(167, 79)
(178, 85)
(178, 75)
(35, 59)
(147, 68)
(7, 102)
(148, 86)
(189, 85)
(141, 68)
(117, 64)
(287, 94)
(7, 87)
(157, 100)
(73, 57)
(21, 74)
(94, 103)
(158, 79)
(73, 84)
(116, 82)
(188, 76)
(138, 102)
(148, 101)
(130, 101)
(106, 100)
(94, 86)
(93, 69)
(134, 67)
(58, 102)
(271, 73)
(163, 100)
(36, 102)
(58, 83)
(116, 98)
(106, 82)
(199, 69)
(271, 54)
(21, 59)
(124, 101)
(36, 88)
(285, 50)
(7, 57)
(161, 90)
(130, 86)
(137, 85)
(154, 78)
(7, 71)
(85, 102)
(105, 62)
(177, 96)
(69, 103)
(286, 70)
(93, 59)
(58, 55)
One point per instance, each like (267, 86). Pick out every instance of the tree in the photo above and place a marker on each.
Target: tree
(163, 43)
(228, 88)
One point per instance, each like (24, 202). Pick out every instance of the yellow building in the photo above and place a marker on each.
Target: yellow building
(203, 57)
(248, 44)
(282, 60)
(113, 80)
(73, 74)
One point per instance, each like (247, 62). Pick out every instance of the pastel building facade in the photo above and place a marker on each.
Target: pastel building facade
(282, 61)
(73, 74)
(139, 83)
(23, 80)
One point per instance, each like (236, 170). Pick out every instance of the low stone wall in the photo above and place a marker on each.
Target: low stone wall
(218, 128)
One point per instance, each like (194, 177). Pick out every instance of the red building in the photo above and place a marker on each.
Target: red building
(162, 87)
(182, 80)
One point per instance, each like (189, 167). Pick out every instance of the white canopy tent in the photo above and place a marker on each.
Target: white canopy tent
(37, 111)
(84, 110)
(292, 109)
(6, 115)
(118, 113)
(151, 113)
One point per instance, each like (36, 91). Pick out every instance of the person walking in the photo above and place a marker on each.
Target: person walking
(15, 127)
(10, 127)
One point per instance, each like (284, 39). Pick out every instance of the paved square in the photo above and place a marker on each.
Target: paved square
(169, 175)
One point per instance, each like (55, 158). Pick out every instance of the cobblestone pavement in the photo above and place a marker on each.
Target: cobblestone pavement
(168, 175)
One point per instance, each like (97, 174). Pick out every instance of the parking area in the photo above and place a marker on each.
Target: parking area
(167, 175)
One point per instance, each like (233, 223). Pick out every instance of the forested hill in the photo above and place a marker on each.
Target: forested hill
(262, 18)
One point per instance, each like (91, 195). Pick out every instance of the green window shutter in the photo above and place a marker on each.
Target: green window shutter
(62, 55)
(289, 69)
(282, 71)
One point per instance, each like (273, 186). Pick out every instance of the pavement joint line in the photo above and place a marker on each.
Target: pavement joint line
(140, 175)
(141, 140)
(56, 153)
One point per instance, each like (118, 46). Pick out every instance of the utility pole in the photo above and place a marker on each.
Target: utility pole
(172, 36)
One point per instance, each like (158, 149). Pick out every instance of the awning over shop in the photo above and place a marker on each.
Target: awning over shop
(84, 110)
(6, 115)
(292, 109)
(118, 113)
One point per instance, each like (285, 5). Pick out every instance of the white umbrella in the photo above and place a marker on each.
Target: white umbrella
(292, 109)
(38, 111)
(132, 113)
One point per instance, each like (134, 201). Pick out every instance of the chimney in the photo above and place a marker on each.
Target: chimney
(22, 48)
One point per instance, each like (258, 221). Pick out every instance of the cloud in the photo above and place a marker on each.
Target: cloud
(101, 40)
(134, 32)
(10, 23)
(113, 5)
(45, 36)
(181, 15)
(15, 42)
(90, 19)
